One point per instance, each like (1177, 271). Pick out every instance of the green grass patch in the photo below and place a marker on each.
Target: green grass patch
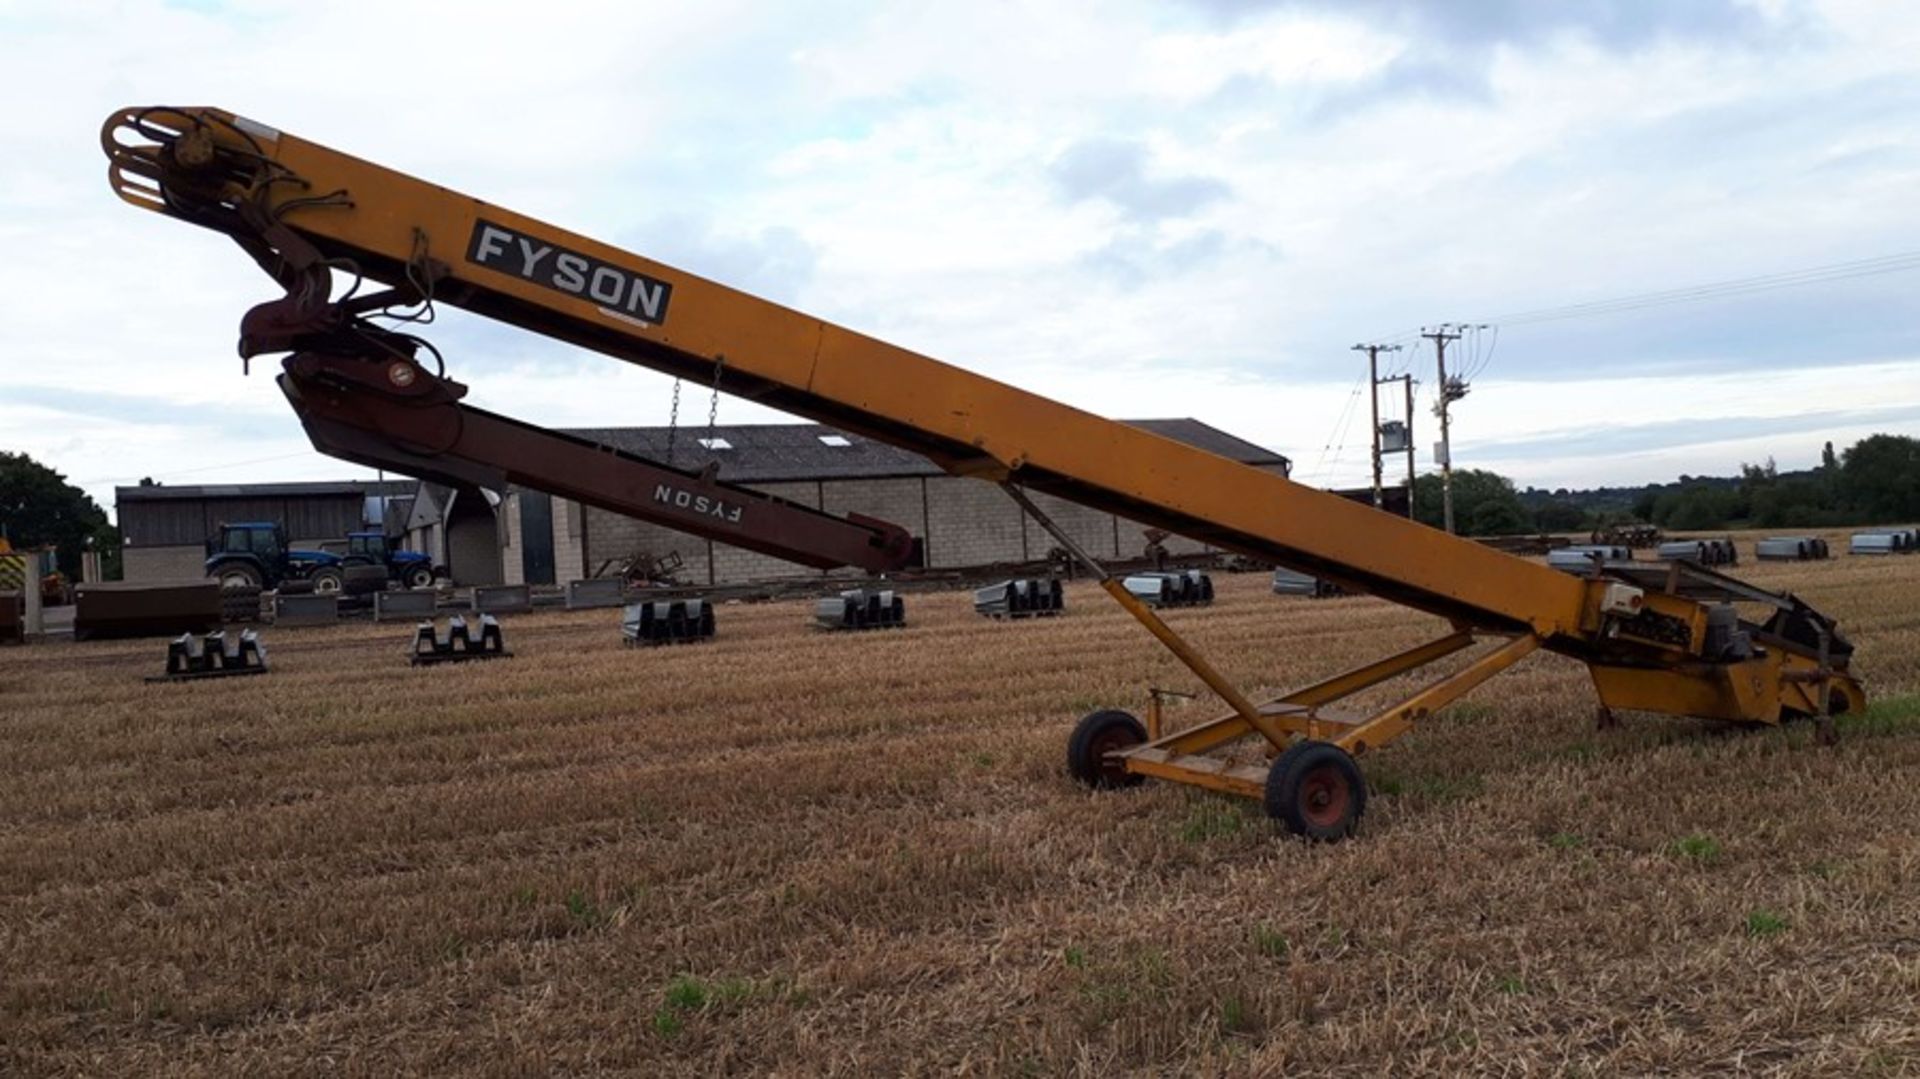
(1212, 818)
(1579, 752)
(1469, 712)
(1695, 848)
(1565, 841)
(687, 993)
(1109, 988)
(584, 911)
(1765, 923)
(1235, 1016)
(1891, 716)
(1271, 942)
(1430, 788)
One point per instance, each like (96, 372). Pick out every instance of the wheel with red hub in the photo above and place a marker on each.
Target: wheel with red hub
(1317, 791)
(1099, 734)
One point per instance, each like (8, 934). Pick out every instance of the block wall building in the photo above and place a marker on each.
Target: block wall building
(957, 522)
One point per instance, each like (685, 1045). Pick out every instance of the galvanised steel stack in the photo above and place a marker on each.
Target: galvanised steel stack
(1790, 549)
(1708, 552)
(1581, 558)
(861, 608)
(1883, 541)
(458, 641)
(664, 621)
(1023, 597)
(1188, 588)
(1286, 582)
(214, 655)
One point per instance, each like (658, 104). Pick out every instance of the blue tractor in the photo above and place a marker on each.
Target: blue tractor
(411, 568)
(254, 554)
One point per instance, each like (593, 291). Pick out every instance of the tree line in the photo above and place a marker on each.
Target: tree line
(1874, 481)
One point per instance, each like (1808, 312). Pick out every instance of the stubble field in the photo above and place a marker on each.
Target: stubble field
(796, 852)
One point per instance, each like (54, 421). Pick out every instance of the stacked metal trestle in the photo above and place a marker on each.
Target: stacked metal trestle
(1188, 588)
(861, 608)
(214, 655)
(457, 640)
(1025, 597)
(667, 621)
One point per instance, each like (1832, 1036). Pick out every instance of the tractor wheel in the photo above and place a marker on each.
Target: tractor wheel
(417, 577)
(1097, 735)
(327, 582)
(238, 575)
(1317, 791)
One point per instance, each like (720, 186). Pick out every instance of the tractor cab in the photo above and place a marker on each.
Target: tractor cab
(370, 547)
(411, 568)
(264, 540)
(254, 554)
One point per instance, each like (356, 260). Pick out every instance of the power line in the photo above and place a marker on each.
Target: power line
(1713, 290)
(1898, 262)
(1339, 430)
(197, 471)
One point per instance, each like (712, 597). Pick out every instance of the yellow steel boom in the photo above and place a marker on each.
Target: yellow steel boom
(1663, 644)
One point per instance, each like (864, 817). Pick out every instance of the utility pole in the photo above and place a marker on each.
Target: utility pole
(1407, 381)
(1450, 391)
(1373, 394)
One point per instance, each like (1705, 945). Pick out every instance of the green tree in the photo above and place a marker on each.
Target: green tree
(1796, 502)
(1644, 505)
(1559, 516)
(1698, 506)
(1880, 478)
(39, 507)
(1484, 503)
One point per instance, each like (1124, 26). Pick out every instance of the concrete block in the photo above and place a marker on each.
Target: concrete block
(308, 610)
(502, 599)
(597, 592)
(410, 606)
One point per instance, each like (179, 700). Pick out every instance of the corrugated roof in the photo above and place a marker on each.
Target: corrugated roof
(323, 489)
(1213, 440)
(776, 452)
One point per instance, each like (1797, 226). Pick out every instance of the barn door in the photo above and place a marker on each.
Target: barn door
(536, 537)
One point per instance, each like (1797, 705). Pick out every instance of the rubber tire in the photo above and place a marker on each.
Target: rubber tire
(1312, 763)
(238, 575)
(327, 582)
(416, 577)
(1097, 734)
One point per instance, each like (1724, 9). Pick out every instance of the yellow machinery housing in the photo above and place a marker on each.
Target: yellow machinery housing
(1657, 638)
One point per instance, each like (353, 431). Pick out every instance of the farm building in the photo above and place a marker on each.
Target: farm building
(165, 528)
(956, 522)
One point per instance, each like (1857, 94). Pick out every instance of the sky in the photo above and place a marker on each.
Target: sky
(1142, 208)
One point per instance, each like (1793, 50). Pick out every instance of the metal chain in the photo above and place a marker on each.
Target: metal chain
(673, 421)
(713, 405)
